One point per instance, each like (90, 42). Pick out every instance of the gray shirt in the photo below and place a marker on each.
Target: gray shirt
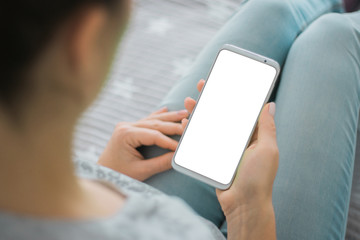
(146, 214)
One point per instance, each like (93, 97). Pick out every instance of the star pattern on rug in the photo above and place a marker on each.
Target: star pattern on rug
(159, 26)
(219, 9)
(181, 66)
(124, 88)
(90, 153)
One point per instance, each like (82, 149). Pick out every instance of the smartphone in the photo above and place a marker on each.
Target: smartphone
(221, 125)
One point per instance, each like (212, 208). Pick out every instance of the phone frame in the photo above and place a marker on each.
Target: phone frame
(254, 56)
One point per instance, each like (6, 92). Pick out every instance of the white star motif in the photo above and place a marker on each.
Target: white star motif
(181, 66)
(124, 88)
(218, 9)
(88, 154)
(159, 26)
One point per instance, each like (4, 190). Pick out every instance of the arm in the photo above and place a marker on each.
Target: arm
(252, 222)
(247, 204)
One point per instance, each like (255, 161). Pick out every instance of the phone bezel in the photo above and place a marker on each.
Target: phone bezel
(246, 53)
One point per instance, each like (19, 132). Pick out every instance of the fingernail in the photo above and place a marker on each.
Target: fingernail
(163, 108)
(272, 108)
(183, 112)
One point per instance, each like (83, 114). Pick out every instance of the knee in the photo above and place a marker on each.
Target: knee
(332, 36)
(332, 31)
(329, 49)
(337, 26)
(278, 8)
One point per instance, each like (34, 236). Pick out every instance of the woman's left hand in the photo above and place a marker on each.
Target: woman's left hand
(121, 154)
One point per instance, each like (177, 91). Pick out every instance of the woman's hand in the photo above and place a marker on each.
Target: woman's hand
(190, 103)
(247, 204)
(121, 154)
(256, 173)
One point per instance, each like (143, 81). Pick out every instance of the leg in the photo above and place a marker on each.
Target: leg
(317, 116)
(266, 27)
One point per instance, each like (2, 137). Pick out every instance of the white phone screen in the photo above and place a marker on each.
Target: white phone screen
(225, 115)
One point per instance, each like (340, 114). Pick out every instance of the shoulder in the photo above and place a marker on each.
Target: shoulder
(163, 217)
(149, 210)
(146, 214)
(127, 185)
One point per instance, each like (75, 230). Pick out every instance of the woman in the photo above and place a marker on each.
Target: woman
(55, 57)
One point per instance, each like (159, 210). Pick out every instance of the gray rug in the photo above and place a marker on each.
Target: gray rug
(162, 41)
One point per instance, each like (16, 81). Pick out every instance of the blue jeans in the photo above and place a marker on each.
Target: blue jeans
(317, 99)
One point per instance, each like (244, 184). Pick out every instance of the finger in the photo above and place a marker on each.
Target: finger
(219, 191)
(168, 128)
(158, 164)
(173, 116)
(161, 110)
(254, 136)
(189, 104)
(184, 122)
(200, 85)
(145, 136)
(266, 125)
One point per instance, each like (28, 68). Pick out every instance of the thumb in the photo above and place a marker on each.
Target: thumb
(158, 164)
(184, 121)
(266, 125)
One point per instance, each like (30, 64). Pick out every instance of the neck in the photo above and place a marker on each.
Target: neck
(36, 169)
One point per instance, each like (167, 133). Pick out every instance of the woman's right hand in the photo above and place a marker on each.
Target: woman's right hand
(247, 204)
(256, 173)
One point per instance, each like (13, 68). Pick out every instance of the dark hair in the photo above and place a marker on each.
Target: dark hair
(26, 27)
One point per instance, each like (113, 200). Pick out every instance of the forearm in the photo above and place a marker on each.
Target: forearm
(249, 223)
